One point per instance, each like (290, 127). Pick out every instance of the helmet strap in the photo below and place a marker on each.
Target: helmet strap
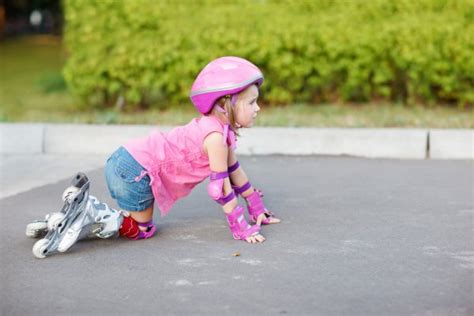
(220, 109)
(233, 100)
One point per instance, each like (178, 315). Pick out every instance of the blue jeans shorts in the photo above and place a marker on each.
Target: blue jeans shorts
(121, 172)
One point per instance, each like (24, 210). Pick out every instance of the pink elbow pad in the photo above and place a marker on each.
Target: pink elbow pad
(215, 188)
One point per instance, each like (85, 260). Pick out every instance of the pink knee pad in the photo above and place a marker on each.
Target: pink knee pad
(129, 228)
(151, 229)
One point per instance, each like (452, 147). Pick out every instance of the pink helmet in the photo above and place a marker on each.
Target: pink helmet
(223, 76)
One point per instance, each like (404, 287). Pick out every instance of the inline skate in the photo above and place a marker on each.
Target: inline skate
(82, 216)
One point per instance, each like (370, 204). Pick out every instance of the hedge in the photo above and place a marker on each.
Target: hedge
(148, 52)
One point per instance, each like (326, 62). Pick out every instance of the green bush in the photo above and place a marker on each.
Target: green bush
(149, 51)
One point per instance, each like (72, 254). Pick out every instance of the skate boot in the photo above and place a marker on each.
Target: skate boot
(82, 216)
(97, 220)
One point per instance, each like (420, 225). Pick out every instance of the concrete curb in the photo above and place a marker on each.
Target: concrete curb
(371, 143)
(21, 138)
(361, 142)
(97, 139)
(451, 144)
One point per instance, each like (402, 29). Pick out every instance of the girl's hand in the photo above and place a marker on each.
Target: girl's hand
(273, 219)
(255, 239)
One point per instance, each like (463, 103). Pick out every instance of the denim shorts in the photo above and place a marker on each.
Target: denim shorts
(121, 172)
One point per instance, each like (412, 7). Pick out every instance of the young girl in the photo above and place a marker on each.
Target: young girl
(164, 167)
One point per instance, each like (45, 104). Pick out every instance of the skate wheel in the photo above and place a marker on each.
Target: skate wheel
(39, 248)
(55, 219)
(69, 192)
(35, 229)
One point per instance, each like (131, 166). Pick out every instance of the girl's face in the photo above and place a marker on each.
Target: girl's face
(247, 107)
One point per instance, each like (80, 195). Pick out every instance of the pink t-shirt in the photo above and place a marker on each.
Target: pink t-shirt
(175, 161)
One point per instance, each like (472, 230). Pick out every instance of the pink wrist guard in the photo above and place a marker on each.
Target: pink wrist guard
(256, 207)
(254, 200)
(238, 225)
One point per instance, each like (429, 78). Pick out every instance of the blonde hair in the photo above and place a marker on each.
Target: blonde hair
(226, 103)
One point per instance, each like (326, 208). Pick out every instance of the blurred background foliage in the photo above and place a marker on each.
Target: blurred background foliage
(146, 53)
(332, 63)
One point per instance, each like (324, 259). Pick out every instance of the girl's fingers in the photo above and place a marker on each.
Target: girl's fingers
(274, 220)
(255, 239)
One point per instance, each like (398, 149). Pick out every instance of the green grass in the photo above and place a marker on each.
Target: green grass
(24, 63)
(32, 90)
(368, 115)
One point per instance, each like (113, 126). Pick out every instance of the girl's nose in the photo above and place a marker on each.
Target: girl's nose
(257, 108)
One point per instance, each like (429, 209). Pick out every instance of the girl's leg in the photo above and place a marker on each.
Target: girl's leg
(130, 187)
(142, 216)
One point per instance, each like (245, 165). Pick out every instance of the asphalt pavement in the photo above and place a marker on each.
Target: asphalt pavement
(358, 237)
